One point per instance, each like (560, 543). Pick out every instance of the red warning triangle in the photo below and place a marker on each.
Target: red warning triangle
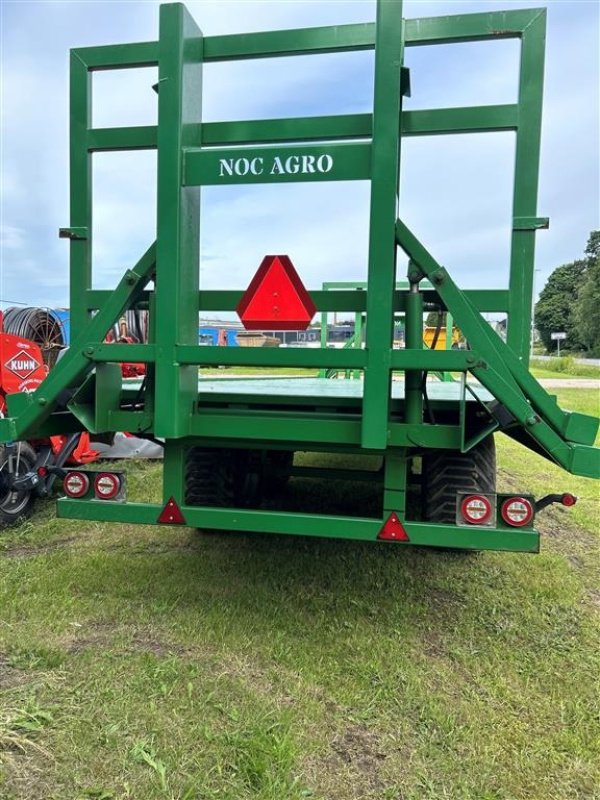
(276, 298)
(393, 529)
(171, 514)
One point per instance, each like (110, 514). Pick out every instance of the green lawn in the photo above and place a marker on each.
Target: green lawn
(563, 368)
(149, 663)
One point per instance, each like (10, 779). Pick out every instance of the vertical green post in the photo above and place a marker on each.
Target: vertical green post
(80, 162)
(394, 482)
(449, 330)
(178, 234)
(324, 317)
(174, 469)
(358, 326)
(413, 394)
(385, 163)
(526, 185)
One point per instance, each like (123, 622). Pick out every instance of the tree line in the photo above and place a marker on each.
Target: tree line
(570, 302)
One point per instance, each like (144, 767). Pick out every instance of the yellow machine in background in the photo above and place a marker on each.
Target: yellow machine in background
(440, 343)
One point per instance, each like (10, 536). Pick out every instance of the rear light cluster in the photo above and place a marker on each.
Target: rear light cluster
(486, 510)
(106, 485)
(476, 509)
(517, 511)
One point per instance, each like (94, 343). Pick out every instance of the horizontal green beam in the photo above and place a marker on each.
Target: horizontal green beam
(331, 162)
(469, 27)
(425, 122)
(296, 524)
(291, 129)
(435, 360)
(330, 39)
(471, 119)
(489, 300)
(304, 429)
(300, 41)
(271, 357)
(361, 36)
(140, 137)
(118, 56)
(326, 358)
(118, 353)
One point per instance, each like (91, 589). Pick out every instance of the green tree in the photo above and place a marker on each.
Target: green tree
(555, 310)
(570, 301)
(587, 310)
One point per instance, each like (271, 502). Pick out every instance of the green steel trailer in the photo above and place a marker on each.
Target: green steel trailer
(229, 444)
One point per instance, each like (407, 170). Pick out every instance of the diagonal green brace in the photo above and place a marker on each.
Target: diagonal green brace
(504, 376)
(75, 364)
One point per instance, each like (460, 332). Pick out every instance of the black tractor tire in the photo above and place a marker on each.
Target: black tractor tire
(277, 471)
(16, 506)
(447, 472)
(223, 478)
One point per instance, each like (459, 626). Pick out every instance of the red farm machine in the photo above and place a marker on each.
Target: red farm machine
(28, 469)
(229, 445)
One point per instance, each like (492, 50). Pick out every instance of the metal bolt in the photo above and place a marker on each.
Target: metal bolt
(532, 420)
(42, 401)
(89, 351)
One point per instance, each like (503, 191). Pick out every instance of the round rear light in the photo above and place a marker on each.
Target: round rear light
(476, 509)
(568, 499)
(107, 485)
(517, 511)
(76, 484)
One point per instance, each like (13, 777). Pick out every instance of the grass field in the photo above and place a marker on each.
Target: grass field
(565, 367)
(149, 663)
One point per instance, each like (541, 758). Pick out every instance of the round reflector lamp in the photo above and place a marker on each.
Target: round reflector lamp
(517, 511)
(568, 499)
(476, 509)
(107, 485)
(76, 484)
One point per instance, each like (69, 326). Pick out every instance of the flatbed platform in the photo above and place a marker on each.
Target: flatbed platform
(299, 390)
(320, 388)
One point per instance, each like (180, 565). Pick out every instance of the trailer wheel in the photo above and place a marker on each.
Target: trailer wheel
(226, 478)
(277, 471)
(447, 472)
(16, 505)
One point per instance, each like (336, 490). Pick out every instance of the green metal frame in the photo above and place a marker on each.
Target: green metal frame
(191, 154)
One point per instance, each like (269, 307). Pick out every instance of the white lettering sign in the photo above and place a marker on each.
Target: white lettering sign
(292, 165)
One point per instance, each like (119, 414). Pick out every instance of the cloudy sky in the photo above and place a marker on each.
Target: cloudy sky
(455, 191)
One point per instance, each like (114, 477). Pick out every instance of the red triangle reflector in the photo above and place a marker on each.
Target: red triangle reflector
(393, 530)
(171, 514)
(276, 298)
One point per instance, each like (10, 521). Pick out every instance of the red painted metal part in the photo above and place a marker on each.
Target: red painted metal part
(393, 530)
(171, 513)
(276, 298)
(22, 367)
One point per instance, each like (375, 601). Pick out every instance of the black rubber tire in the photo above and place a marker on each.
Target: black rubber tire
(277, 470)
(207, 482)
(225, 478)
(447, 472)
(17, 506)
